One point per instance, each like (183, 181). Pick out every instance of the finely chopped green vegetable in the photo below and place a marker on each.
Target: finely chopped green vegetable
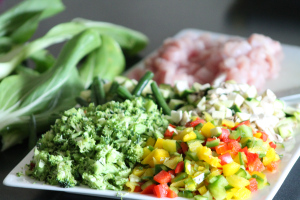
(96, 146)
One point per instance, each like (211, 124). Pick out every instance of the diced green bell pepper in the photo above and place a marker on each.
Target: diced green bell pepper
(217, 188)
(245, 131)
(213, 143)
(190, 184)
(185, 194)
(159, 167)
(234, 135)
(179, 177)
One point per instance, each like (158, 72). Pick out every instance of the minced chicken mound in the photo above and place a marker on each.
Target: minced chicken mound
(207, 59)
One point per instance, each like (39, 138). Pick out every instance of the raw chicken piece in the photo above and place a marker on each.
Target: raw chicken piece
(204, 59)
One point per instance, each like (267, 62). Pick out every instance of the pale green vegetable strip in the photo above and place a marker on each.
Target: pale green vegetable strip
(106, 61)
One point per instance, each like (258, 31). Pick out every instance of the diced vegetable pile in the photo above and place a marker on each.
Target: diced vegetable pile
(213, 148)
(96, 145)
(204, 160)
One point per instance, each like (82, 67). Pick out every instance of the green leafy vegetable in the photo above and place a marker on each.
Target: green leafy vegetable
(129, 40)
(107, 61)
(25, 95)
(21, 21)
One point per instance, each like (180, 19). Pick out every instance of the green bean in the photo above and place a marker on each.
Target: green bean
(159, 98)
(124, 93)
(82, 102)
(142, 83)
(112, 92)
(98, 91)
(33, 132)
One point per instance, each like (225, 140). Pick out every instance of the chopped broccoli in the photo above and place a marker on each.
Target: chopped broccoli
(96, 146)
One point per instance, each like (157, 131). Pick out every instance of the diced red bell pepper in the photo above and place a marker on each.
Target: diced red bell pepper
(168, 133)
(245, 150)
(225, 158)
(272, 167)
(247, 123)
(253, 185)
(160, 190)
(148, 190)
(234, 146)
(184, 147)
(195, 122)
(137, 188)
(171, 194)
(224, 135)
(272, 145)
(173, 126)
(264, 136)
(179, 167)
(162, 177)
(172, 172)
(257, 165)
(251, 157)
(221, 148)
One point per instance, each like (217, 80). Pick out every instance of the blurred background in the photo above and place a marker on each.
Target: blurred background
(159, 19)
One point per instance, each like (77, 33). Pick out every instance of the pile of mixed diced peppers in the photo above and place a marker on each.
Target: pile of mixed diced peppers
(204, 161)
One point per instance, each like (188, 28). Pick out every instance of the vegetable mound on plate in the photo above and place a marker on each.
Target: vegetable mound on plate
(218, 144)
(96, 146)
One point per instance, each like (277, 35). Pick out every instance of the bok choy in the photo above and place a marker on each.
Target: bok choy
(25, 95)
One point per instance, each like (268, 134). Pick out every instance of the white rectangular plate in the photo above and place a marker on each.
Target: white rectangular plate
(287, 81)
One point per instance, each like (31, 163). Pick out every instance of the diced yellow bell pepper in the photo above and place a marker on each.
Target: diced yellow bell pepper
(146, 152)
(205, 130)
(150, 141)
(159, 143)
(169, 145)
(131, 186)
(237, 181)
(204, 153)
(216, 171)
(202, 190)
(172, 162)
(270, 157)
(159, 155)
(138, 171)
(190, 136)
(193, 146)
(228, 123)
(276, 158)
(230, 193)
(181, 134)
(149, 172)
(257, 135)
(242, 193)
(178, 184)
(230, 168)
(261, 175)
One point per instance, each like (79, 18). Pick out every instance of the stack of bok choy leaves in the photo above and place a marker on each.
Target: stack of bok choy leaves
(32, 95)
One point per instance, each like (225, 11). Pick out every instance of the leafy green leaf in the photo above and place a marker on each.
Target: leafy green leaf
(28, 13)
(107, 61)
(130, 40)
(32, 95)
(43, 60)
